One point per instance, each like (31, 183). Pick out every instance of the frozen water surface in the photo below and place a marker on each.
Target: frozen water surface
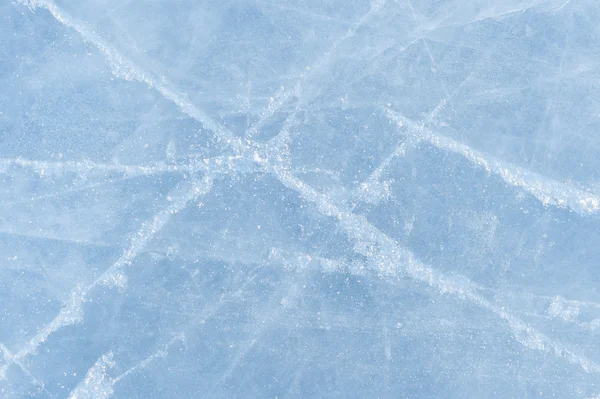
(299, 199)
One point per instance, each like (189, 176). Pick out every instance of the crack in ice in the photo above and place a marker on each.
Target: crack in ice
(386, 257)
(72, 311)
(545, 189)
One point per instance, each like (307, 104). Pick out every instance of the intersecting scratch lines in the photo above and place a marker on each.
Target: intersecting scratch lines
(317, 247)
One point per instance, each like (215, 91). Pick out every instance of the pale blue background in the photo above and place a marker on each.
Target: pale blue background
(299, 199)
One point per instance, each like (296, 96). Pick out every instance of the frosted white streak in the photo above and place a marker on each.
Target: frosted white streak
(321, 65)
(72, 312)
(385, 257)
(8, 358)
(126, 69)
(388, 259)
(97, 384)
(373, 190)
(546, 190)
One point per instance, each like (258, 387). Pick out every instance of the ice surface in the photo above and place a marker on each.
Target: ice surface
(296, 199)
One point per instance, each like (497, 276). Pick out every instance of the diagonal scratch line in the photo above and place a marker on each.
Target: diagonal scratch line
(97, 382)
(492, 16)
(160, 354)
(125, 69)
(321, 65)
(546, 190)
(72, 312)
(372, 185)
(372, 182)
(423, 38)
(265, 324)
(128, 70)
(562, 6)
(9, 359)
(481, 64)
(388, 260)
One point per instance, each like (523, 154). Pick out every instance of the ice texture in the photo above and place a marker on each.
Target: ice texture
(299, 199)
